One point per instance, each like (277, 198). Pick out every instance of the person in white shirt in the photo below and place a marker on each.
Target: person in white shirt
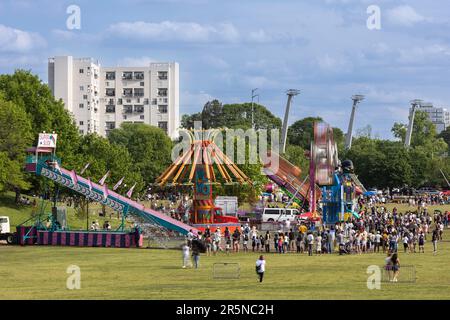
(186, 257)
(310, 241)
(260, 267)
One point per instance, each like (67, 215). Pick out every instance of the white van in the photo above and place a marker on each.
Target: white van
(5, 232)
(279, 214)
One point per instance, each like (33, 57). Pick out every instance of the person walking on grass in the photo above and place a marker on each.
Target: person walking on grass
(310, 241)
(434, 239)
(319, 244)
(260, 267)
(267, 241)
(395, 265)
(196, 256)
(421, 242)
(186, 257)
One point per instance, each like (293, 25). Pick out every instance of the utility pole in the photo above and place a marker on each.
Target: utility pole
(357, 98)
(414, 105)
(290, 93)
(254, 95)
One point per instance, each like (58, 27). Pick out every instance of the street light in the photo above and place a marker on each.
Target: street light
(357, 98)
(254, 96)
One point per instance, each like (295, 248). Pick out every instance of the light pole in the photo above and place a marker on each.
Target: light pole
(414, 105)
(254, 96)
(290, 93)
(357, 98)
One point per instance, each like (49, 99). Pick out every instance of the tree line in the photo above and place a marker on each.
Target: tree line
(379, 163)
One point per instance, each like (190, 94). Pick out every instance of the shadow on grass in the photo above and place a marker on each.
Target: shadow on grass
(6, 200)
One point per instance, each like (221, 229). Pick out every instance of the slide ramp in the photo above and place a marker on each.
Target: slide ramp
(114, 200)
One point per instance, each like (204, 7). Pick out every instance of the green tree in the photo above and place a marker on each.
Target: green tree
(15, 137)
(104, 156)
(445, 135)
(150, 148)
(46, 114)
(296, 155)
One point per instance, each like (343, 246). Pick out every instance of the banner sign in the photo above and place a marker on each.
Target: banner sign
(47, 140)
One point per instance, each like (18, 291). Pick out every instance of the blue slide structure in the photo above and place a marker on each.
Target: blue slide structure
(107, 197)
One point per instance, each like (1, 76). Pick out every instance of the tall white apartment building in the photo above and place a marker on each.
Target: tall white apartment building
(102, 98)
(77, 83)
(439, 116)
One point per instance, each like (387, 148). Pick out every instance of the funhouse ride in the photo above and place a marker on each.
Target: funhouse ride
(42, 161)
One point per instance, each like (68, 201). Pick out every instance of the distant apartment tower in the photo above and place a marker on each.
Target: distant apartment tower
(439, 116)
(102, 98)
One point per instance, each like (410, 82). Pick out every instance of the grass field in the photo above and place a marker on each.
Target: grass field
(39, 272)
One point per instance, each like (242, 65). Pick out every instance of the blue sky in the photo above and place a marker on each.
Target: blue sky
(226, 48)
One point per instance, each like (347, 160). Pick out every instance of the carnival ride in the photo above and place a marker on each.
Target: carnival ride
(43, 162)
(202, 164)
(340, 186)
(287, 177)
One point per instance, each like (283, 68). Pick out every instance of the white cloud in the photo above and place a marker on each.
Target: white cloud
(15, 40)
(424, 53)
(259, 36)
(193, 102)
(216, 62)
(404, 15)
(335, 63)
(136, 61)
(20, 61)
(174, 31)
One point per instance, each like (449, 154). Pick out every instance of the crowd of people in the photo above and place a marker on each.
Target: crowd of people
(376, 230)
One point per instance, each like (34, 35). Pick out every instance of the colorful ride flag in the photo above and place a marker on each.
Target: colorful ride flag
(89, 184)
(118, 183)
(102, 180)
(85, 167)
(57, 167)
(105, 191)
(130, 192)
(73, 176)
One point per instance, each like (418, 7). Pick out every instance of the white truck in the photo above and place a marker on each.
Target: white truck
(229, 205)
(5, 232)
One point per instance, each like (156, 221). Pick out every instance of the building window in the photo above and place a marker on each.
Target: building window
(128, 92)
(124, 117)
(138, 92)
(81, 131)
(110, 92)
(146, 101)
(110, 125)
(139, 108)
(110, 75)
(154, 101)
(142, 117)
(139, 75)
(81, 71)
(110, 108)
(81, 105)
(142, 83)
(162, 108)
(81, 88)
(127, 109)
(81, 123)
(163, 125)
(162, 75)
(85, 96)
(128, 100)
(127, 75)
(162, 92)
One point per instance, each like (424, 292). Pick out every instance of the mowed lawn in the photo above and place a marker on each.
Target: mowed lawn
(39, 272)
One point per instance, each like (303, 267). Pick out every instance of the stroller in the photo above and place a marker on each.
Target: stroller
(344, 248)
